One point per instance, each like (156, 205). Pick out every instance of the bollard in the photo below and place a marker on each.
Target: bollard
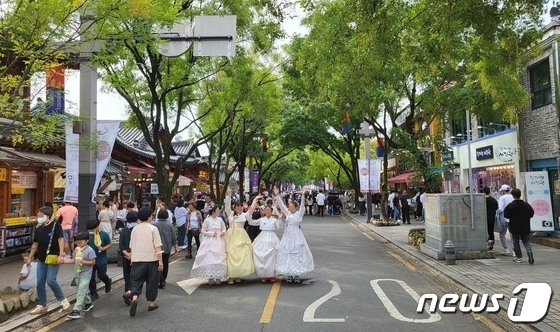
(449, 249)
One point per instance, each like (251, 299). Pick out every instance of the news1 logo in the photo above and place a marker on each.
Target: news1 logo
(535, 303)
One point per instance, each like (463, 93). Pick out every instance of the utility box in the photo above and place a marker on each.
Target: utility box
(448, 217)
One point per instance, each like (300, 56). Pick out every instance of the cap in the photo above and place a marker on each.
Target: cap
(81, 236)
(504, 187)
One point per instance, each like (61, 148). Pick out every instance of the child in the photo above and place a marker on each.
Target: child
(84, 260)
(100, 242)
(28, 275)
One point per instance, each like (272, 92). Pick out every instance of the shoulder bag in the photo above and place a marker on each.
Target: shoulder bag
(51, 259)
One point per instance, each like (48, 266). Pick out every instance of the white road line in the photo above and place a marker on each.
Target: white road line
(392, 309)
(309, 314)
(190, 285)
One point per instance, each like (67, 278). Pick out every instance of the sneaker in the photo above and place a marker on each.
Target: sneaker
(531, 258)
(296, 279)
(40, 309)
(230, 281)
(108, 286)
(505, 252)
(210, 281)
(217, 281)
(518, 260)
(88, 307)
(94, 296)
(133, 306)
(75, 314)
(65, 304)
(237, 280)
(290, 279)
(490, 245)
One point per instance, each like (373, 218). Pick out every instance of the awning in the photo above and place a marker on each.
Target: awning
(402, 178)
(43, 159)
(140, 170)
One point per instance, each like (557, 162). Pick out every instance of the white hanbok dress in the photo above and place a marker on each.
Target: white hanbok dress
(210, 261)
(294, 257)
(265, 248)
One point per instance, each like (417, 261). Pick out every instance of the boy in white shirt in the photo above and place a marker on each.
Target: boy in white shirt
(28, 275)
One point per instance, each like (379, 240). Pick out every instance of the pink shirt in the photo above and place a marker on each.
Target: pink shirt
(68, 213)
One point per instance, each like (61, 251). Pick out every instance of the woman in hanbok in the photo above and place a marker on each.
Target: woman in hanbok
(239, 248)
(210, 261)
(265, 246)
(294, 258)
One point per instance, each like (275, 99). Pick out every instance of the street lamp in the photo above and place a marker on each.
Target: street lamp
(367, 132)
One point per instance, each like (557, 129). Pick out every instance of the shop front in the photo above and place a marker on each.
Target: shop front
(494, 161)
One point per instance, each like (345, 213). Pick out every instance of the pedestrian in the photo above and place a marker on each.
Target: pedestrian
(491, 208)
(162, 206)
(66, 215)
(28, 275)
(320, 203)
(194, 224)
(265, 247)
(294, 259)
(124, 248)
(405, 207)
(48, 247)
(200, 202)
(309, 204)
(252, 225)
(519, 214)
(419, 211)
(396, 207)
(501, 221)
(169, 242)
(423, 201)
(390, 200)
(100, 242)
(362, 203)
(121, 216)
(210, 261)
(208, 204)
(83, 259)
(105, 218)
(181, 223)
(239, 248)
(147, 260)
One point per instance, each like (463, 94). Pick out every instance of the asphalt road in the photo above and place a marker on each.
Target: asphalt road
(348, 291)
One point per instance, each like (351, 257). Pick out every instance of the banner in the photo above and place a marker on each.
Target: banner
(538, 195)
(370, 175)
(107, 134)
(55, 89)
(255, 181)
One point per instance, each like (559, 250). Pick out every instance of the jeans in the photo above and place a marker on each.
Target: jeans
(83, 292)
(145, 272)
(525, 239)
(190, 234)
(101, 274)
(396, 213)
(503, 237)
(181, 233)
(47, 274)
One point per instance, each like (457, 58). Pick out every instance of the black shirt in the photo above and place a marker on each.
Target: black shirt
(42, 236)
(491, 208)
(519, 214)
(404, 200)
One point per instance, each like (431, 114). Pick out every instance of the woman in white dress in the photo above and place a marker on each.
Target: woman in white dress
(239, 248)
(265, 246)
(210, 261)
(294, 258)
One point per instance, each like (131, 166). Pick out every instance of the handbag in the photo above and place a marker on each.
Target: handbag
(51, 259)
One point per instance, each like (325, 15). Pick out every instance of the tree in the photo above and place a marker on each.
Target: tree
(163, 92)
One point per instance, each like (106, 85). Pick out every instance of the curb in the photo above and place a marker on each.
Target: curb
(540, 326)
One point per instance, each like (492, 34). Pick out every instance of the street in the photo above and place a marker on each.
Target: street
(339, 297)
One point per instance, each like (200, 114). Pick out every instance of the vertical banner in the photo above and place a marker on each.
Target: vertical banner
(55, 89)
(255, 180)
(370, 175)
(72, 165)
(107, 134)
(538, 195)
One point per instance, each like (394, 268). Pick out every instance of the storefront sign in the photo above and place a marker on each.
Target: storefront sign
(3, 174)
(18, 190)
(27, 180)
(486, 152)
(506, 154)
(370, 175)
(538, 195)
(154, 190)
(15, 221)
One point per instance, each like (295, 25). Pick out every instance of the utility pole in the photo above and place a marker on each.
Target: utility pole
(366, 131)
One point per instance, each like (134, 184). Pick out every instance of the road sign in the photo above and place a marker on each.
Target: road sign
(216, 35)
(175, 43)
(154, 189)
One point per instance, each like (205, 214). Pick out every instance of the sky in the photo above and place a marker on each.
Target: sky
(110, 105)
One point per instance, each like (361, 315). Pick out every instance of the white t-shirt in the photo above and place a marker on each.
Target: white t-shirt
(320, 199)
(31, 280)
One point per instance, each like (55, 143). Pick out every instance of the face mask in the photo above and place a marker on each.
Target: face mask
(42, 220)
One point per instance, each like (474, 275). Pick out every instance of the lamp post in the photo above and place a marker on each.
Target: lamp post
(366, 132)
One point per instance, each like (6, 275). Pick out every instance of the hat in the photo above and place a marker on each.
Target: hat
(504, 187)
(81, 236)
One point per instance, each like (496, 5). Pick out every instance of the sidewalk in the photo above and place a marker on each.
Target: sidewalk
(486, 276)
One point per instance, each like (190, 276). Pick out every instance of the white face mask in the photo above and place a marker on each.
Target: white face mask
(42, 220)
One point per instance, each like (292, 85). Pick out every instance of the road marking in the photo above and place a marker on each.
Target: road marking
(489, 323)
(368, 236)
(353, 225)
(190, 285)
(392, 309)
(53, 324)
(309, 314)
(268, 310)
(402, 260)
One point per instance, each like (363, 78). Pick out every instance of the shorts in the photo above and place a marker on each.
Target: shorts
(68, 235)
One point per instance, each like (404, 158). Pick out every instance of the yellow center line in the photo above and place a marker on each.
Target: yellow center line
(53, 324)
(368, 236)
(268, 310)
(402, 260)
(489, 323)
(353, 225)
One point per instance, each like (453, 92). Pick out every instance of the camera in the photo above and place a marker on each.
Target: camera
(546, 223)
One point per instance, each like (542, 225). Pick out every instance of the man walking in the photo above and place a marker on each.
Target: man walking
(491, 208)
(320, 203)
(405, 207)
(519, 214)
(503, 201)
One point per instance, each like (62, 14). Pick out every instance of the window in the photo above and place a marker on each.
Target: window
(541, 89)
